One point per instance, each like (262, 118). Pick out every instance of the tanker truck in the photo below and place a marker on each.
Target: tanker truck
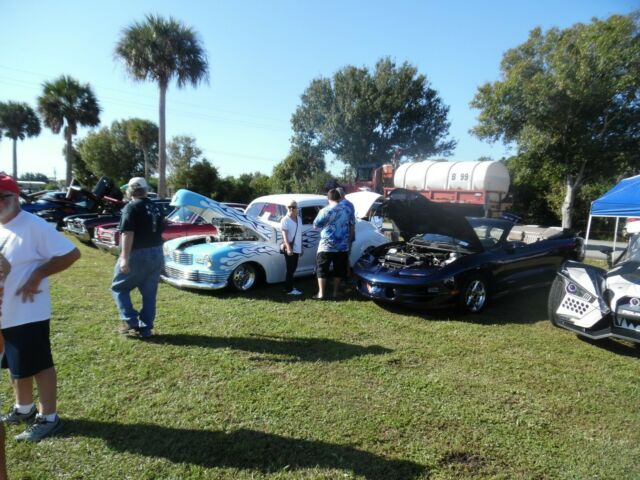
(479, 188)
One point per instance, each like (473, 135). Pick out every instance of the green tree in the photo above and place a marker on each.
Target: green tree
(569, 100)
(144, 134)
(18, 120)
(160, 50)
(242, 189)
(302, 164)
(34, 177)
(364, 117)
(110, 152)
(187, 168)
(67, 103)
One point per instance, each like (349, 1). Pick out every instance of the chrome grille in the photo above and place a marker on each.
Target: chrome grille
(190, 275)
(194, 275)
(181, 257)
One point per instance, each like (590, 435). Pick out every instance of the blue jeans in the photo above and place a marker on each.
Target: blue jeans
(145, 266)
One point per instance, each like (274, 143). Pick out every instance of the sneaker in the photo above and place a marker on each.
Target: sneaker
(295, 291)
(14, 417)
(126, 329)
(39, 430)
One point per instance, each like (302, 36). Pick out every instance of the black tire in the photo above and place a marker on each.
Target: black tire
(474, 294)
(556, 294)
(244, 277)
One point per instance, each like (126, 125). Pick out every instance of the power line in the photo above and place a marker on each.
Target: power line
(137, 95)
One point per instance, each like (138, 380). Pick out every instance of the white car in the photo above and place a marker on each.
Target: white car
(245, 249)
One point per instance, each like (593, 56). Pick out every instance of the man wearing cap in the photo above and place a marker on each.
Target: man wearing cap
(292, 238)
(33, 250)
(140, 262)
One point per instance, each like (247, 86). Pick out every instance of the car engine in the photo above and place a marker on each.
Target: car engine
(416, 256)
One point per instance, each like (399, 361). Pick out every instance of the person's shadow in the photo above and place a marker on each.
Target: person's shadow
(282, 349)
(242, 449)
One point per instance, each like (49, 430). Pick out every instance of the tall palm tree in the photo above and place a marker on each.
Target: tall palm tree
(18, 120)
(67, 103)
(160, 50)
(144, 134)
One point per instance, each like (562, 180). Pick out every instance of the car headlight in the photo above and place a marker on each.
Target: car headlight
(165, 250)
(205, 260)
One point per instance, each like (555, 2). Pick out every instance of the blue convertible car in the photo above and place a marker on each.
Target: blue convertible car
(446, 259)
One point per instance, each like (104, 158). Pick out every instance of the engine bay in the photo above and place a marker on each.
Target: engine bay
(416, 255)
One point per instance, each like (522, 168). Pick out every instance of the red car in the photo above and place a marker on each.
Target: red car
(180, 223)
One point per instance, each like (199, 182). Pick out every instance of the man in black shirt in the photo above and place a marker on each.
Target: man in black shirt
(140, 262)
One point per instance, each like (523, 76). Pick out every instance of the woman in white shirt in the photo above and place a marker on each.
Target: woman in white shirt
(292, 239)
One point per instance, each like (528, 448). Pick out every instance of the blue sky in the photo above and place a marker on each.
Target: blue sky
(263, 54)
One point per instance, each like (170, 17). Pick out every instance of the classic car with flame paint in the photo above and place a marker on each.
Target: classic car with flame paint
(245, 249)
(446, 259)
(596, 303)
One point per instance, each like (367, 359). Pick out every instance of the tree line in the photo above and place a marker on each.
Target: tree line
(567, 103)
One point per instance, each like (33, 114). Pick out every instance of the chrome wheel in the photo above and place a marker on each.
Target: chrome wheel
(244, 277)
(475, 295)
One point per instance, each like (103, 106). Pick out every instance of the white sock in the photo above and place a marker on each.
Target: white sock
(24, 409)
(50, 417)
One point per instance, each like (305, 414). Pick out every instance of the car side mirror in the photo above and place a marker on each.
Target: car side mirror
(608, 251)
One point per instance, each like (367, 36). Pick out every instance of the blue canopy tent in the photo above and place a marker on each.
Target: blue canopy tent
(623, 200)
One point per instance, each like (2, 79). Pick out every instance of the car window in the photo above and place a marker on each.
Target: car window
(272, 212)
(182, 215)
(309, 214)
(255, 209)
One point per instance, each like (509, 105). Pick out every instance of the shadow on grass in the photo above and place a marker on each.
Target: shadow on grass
(241, 449)
(522, 308)
(275, 292)
(297, 349)
(619, 347)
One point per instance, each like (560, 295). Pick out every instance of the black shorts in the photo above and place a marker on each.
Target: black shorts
(27, 349)
(339, 261)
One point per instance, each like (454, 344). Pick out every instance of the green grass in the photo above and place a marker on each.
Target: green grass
(261, 386)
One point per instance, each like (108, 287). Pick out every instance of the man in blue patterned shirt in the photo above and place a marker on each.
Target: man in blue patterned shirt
(337, 225)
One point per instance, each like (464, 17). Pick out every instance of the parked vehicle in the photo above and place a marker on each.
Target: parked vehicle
(181, 222)
(77, 201)
(245, 249)
(479, 188)
(445, 259)
(82, 226)
(597, 303)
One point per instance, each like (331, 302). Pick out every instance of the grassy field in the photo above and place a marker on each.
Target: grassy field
(262, 386)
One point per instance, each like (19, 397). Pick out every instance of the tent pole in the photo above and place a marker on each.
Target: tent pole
(586, 240)
(615, 234)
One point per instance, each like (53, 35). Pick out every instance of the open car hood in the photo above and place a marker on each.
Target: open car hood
(362, 202)
(414, 215)
(211, 210)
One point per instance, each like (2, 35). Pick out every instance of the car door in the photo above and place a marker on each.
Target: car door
(310, 239)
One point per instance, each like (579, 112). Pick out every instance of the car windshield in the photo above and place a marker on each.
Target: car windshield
(489, 231)
(182, 215)
(632, 253)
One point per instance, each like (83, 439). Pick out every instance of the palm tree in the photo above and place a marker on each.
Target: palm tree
(67, 103)
(160, 50)
(144, 134)
(18, 120)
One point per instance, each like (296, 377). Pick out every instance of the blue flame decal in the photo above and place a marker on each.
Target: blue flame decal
(241, 252)
(210, 210)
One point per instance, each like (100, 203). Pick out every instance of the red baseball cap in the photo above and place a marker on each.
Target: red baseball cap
(8, 184)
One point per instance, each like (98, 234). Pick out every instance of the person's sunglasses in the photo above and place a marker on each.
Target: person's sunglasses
(291, 206)
(4, 196)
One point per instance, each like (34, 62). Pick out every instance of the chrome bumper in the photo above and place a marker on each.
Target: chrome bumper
(181, 283)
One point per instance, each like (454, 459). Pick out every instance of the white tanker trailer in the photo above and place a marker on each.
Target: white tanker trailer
(484, 185)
